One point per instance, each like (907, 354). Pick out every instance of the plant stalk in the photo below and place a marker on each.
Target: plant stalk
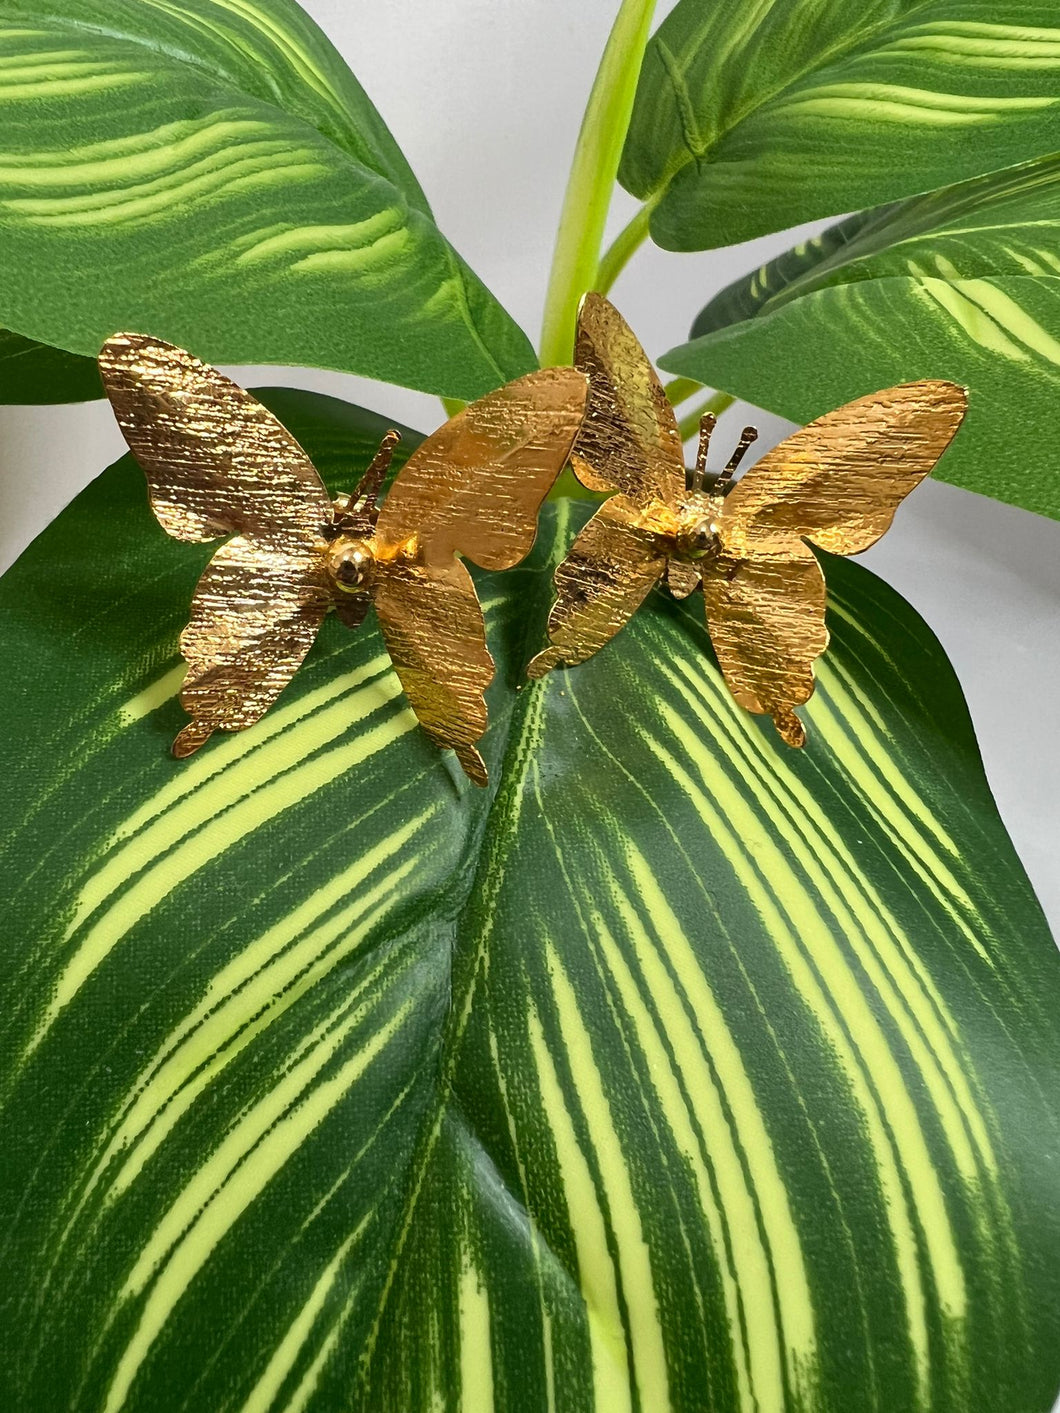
(621, 250)
(576, 259)
(679, 390)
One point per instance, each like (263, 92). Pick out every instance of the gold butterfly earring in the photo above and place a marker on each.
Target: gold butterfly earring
(836, 484)
(218, 463)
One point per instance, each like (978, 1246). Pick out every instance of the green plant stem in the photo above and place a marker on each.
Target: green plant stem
(716, 403)
(622, 249)
(679, 390)
(576, 259)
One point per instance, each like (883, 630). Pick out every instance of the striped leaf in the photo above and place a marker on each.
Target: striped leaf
(753, 115)
(683, 1072)
(962, 284)
(34, 373)
(212, 172)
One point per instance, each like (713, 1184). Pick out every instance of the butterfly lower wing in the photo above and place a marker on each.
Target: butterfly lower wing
(217, 462)
(476, 486)
(766, 619)
(433, 627)
(629, 441)
(608, 572)
(254, 617)
(839, 481)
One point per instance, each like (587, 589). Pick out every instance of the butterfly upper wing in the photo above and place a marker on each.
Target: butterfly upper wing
(477, 484)
(437, 641)
(217, 462)
(253, 619)
(839, 481)
(608, 572)
(629, 441)
(766, 621)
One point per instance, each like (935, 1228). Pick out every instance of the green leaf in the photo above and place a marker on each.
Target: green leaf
(753, 115)
(34, 373)
(684, 1072)
(961, 284)
(211, 173)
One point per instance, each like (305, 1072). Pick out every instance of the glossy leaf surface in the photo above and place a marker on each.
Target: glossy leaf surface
(754, 115)
(683, 1071)
(213, 174)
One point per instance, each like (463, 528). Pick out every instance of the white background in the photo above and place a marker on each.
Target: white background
(485, 98)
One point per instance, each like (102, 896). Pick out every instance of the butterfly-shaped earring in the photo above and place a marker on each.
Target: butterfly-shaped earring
(218, 463)
(837, 483)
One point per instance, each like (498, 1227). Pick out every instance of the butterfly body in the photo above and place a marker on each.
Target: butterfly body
(218, 463)
(351, 564)
(836, 484)
(697, 538)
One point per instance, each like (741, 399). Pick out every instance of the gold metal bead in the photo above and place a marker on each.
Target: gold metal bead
(696, 539)
(351, 564)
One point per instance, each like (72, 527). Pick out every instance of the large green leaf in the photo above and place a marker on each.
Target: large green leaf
(684, 1071)
(34, 373)
(211, 172)
(962, 284)
(753, 115)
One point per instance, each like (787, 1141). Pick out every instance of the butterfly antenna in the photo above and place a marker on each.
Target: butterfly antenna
(747, 436)
(368, 487)
(697, 479)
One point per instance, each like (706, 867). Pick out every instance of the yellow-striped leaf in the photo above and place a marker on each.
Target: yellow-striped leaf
(682, 1072)
(753, 115)
(962, 284)
(213, 173)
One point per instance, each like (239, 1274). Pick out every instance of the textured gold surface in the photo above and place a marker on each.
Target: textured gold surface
(609, 570)
(837, 483)
(629, 441)
(477, 484)
(254, 616)
(436, 637)
(218, 463)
